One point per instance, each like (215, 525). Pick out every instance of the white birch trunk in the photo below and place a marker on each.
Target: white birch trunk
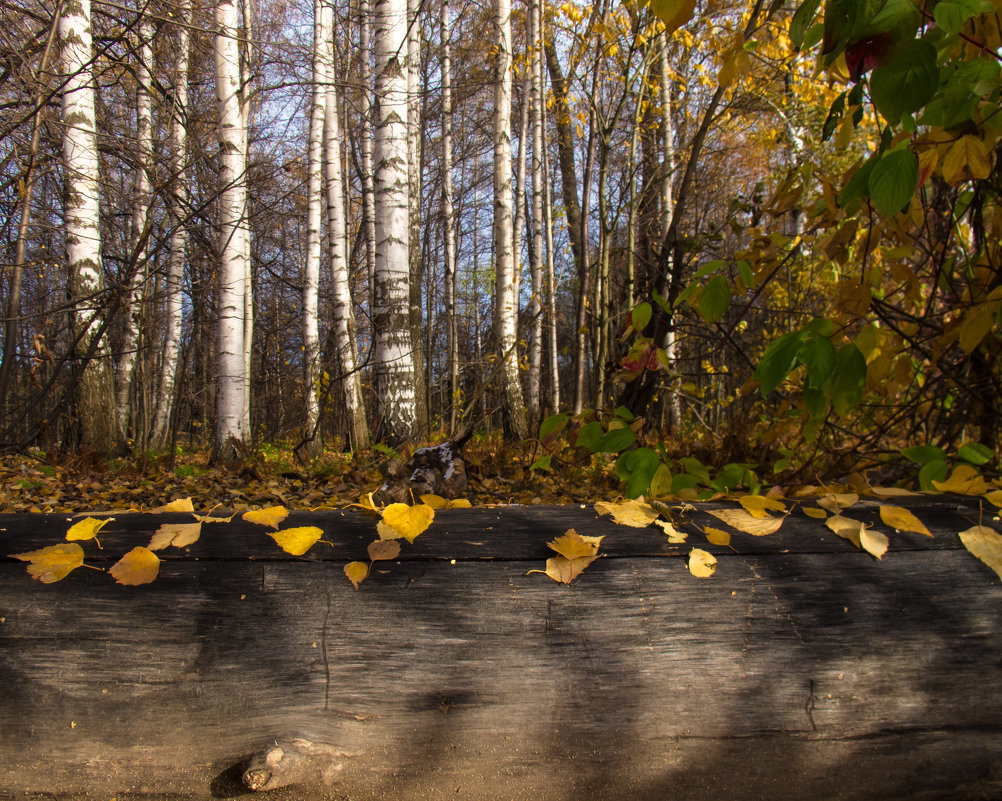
(414, 34)
(314, 221)
(343, 321)
(505, 302)
(668, 202)
(393, 365)
(231, 367)
(246, 59)
(520, 183)
(138, 235)
(94, 401)
(178, 240)
(368, 201)
(448, 221)
(536, 247)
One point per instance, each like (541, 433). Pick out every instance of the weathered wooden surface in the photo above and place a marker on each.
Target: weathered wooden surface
(802, 669)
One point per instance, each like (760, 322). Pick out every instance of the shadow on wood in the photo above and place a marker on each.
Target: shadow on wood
(802, 669)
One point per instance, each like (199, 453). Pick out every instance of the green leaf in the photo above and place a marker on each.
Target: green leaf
(802, 19)
(893, 181)
(641, 316)
(589, 436)
(923, 454)
(817, 403)
(777, 361)
(661, 483)
(937, 470)
(682, 481)
(820, 326)
(845, 387)
(907, 83)
(542, 463)
(817, 354)
(696, 469)
(616, 440)
(745, 271)
(975, 453)
(625, 414)
(552, 426)
(637, 468)
(715, 299)
(856, 186)
(834, 116)
(951, 16)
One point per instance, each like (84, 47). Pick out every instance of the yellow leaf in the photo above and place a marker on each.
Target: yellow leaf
(736, 63)
(208, 518)
(572, 545)
(702, 563)
(994, 497)
(717, 536)
(386, 532)
(836, 502)
(975, 327)
(985, 544)
(180, 535)
(297, 541)
(968, 157)
(357, 572)
(673, 13)
(270, 516)
(756, 505)
(846, 528)
(817, 514)
(367, 504)
(873, 542)
(438, 502)
(964, 480)
(749, 524)
(903, 520)
(383, 549)
(409, 521)
(53, 563)
(138, 566)
(635, 514)
(180, 505)
(891, 492)
(86, 528)
(564, 570)
(674, 535)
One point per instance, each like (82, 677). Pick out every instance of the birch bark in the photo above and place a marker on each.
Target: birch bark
(536, 246)
(448, 220)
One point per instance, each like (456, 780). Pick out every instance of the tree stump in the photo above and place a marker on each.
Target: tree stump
(802, 669)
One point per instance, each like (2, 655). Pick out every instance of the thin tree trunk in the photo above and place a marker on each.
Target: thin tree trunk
(393, 358)
(551, 290)
(231, 366)
(520, 183)
(178, 241)
(505, 302)
(94, 401)
(246, 71)
(673, 403)
(343, 322)
(368, 202)
(414, 209)
(448, 221)
(536, 249)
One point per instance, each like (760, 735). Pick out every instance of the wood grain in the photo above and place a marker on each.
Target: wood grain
(802, 669)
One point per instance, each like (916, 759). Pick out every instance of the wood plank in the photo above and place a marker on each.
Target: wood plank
(802, 669)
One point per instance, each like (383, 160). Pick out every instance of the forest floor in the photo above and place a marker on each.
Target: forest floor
(60, 482)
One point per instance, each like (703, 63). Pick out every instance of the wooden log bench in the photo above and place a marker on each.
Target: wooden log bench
(802, 669)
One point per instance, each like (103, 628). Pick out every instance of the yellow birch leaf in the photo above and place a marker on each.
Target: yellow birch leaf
(438, 502)
(381, 550)
(357, 572)
(572, 545)
(674, 535)
(180, 535)
(86, 528)
(835, 502)
(269, 516)
(53, 563)
(208, 518)
(817, 514)
(903, 520)
(367, 504)
(702, 563)
(965, 480)
(846, 528)
(994, 497)
(717, 536)
(673, 13)
(748, 523)
(635, 514)
(757, 505)
(138, 566)
(986, 545)
(891, 492)
(736, 63)
(873, 542)
(180, 505)
(967, 157)
(297, 541)
(409, 521)
(564, 570)
(386, 532)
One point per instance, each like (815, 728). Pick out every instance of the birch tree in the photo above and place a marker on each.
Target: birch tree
(231, 366)
(393, 365)
(343, 322)
(368, 202)
(505, 302)
(94, 401)
(448, 221)
(536, 245)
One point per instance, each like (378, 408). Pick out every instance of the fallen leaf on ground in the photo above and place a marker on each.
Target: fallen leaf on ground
(269, 516)
(383, 549)
(180, 535)
(357, 572)
(873, 542)
(986, 544)
(674, 535)
(138, 566)
(86, 529)
(438, 502)
(575, 553)
(891, 492)
(180, 505)
(835, 502)
(297, 541)
(717, 536)
(965, 480)
(53, 563)
(702, 563)
(994, 497)
(408, 521)
(635, 513)
(846, 528)
(902, 519)
(758, 505)
(813, 511)
(747, 522)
